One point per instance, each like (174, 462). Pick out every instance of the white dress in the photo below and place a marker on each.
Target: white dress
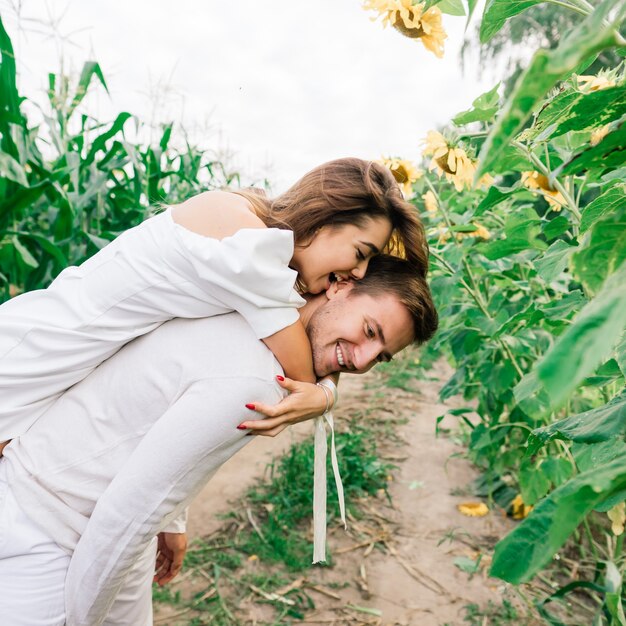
(52, 338)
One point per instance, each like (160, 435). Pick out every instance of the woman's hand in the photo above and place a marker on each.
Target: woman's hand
(305, 400)
(170, 554)
(3, 445)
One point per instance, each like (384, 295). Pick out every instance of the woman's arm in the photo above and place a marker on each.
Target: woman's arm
(305, 401)
(292, 348)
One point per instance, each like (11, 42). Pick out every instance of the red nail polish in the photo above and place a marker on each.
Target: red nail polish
(250, 406)
(281, 378)
(241, 427)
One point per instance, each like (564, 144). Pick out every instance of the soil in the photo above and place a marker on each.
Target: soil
(399, 559)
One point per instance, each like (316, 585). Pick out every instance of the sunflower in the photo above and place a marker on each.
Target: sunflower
(404, 172)
(473, 509)
(430, 201)
(519, 510)
(480, 231)
(594, 83)
(412, 21)
(446, 159)
(535, 180)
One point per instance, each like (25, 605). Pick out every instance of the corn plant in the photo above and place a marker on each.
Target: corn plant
(70, 185)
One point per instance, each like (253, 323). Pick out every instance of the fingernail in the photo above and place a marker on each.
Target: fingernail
(281, 378)
(250, 406)
(242, 427)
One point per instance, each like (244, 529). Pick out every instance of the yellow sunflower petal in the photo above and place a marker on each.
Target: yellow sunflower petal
(473, 509)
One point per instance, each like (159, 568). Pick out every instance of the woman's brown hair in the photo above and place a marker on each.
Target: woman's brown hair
(346, 191)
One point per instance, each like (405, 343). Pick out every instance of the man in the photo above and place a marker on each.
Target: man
(121, 454)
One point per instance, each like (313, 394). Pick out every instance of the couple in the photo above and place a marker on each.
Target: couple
(112, 463)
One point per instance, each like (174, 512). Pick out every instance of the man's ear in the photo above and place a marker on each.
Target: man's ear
(337, 287)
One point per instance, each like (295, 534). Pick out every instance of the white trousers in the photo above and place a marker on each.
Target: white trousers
(33, 569)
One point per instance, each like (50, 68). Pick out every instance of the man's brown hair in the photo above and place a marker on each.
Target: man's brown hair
(390, 275)
(346, 191)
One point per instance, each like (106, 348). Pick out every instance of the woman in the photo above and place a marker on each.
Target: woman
(215, 253)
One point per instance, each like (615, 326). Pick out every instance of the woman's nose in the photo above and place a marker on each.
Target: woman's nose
(359, 271)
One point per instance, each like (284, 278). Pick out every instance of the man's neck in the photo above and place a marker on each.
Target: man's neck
(313, 302)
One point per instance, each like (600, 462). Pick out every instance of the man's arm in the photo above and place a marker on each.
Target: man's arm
(168, 468)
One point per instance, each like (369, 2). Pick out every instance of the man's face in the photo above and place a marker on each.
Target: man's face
(351, 333)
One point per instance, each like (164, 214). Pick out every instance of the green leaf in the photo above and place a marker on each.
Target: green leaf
(602, 250)
(12, 170)
(595, 33)
(502, 248)
(608, 202)
(587, 342)
(167, 133)
(483, 108)
(497, 12)
(451, 7)
(593, 110)
(531, 396)
(557, 470)
(553, 520)
(591, 426)
(90, 69)
(50, 247)
(554, 260)
(467, 565)
(620, 354)
(591, 455)
(471, 6)
(24, 253)
(572, 110)
(555, 227)
(613, 597)
(561, 309)
(493, 198)
(9, 97)
(533, 482)
(100, 141)
(609, 154)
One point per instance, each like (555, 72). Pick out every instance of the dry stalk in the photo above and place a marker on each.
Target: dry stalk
(420, 577)
(274, 597)
(254, 525)
(323, 591)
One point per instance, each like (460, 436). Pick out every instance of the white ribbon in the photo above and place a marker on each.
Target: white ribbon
(319, 485)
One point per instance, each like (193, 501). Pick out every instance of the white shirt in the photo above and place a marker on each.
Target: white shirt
(122, 453)
(52, 338)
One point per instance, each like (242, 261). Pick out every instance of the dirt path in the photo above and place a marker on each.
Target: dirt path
(396, 559)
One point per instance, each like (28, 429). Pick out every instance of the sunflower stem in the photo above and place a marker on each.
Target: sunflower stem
(473, 290)
(571, 7)
(538, 163)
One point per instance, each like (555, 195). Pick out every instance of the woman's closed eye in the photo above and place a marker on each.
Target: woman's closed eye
(369, 331)
(360, 255)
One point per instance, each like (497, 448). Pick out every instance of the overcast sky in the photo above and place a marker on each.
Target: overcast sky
(283, 85)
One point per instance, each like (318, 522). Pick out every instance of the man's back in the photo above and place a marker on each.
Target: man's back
(199, 373)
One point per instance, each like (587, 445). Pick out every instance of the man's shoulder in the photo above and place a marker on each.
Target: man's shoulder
(208, 345)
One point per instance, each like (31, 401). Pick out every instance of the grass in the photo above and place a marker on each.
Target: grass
(266, 542)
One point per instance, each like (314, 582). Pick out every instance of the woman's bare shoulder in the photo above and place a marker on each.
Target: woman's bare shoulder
(216, 214)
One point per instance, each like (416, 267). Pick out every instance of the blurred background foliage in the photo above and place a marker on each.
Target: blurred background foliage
(71, 183)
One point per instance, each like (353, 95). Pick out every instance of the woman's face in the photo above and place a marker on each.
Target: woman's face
(343, 251)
